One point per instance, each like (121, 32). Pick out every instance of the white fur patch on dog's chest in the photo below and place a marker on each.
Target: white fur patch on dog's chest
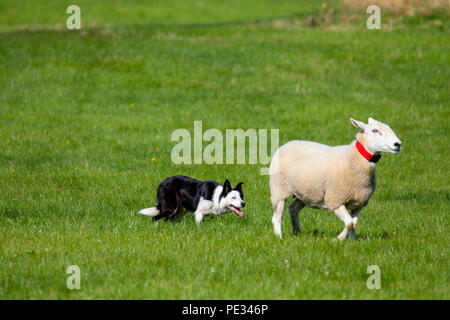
(206, 206)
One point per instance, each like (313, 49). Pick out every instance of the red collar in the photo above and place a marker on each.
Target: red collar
(366, 154)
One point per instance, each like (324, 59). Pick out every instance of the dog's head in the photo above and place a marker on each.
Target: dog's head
(232, 198)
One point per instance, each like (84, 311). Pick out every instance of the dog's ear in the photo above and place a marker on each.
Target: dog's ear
(239, 186)
(226, 186)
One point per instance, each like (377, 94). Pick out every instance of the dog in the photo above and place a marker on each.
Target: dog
(201, 197)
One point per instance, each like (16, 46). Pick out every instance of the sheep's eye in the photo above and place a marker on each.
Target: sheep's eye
(376, 131)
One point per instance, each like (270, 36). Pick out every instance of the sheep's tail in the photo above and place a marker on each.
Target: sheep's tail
(151, 212)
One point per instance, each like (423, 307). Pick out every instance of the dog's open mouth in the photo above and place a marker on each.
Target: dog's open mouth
(236, 211)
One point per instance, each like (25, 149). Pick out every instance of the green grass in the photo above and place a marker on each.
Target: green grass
(20, 14)
(76, 157)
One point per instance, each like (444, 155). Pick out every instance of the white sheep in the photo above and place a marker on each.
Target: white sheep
(338, 178)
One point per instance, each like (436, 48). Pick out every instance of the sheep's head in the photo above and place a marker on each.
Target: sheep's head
(377, 136)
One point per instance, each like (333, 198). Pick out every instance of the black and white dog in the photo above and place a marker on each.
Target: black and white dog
(201, 197)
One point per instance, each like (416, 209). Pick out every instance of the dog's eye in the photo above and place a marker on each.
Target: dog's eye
(233, 198)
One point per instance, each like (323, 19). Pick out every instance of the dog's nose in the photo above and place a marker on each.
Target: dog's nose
(398, 144)
(242, 204)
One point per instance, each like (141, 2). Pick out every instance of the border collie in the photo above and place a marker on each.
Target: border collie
(201, 197)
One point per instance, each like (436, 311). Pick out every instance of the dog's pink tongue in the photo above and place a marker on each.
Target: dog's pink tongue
(239, 213)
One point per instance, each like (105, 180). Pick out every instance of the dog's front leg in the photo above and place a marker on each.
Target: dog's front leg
(199, 214)
(198, 217)
(204, 208)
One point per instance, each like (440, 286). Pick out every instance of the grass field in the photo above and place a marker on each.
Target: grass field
(85, 124)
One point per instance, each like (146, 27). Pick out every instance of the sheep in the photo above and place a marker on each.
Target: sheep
(337, 178)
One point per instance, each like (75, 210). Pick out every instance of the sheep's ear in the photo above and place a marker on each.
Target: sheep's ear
(371, 120)
(360, 125)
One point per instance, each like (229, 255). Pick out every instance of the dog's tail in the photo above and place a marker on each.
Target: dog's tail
(151, 212)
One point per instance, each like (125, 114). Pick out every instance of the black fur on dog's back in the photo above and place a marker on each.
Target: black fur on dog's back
(179, 192)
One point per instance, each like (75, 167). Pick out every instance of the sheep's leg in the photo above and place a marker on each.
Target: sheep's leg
(278, 208)
(343, 214)
(294, 209)
(355, 214)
